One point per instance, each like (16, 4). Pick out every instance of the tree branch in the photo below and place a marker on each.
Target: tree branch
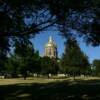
(32, 30)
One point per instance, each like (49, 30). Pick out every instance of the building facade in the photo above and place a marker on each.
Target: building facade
(51, 48)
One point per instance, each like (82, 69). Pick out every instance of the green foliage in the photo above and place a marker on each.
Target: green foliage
(11, 65)
(29, 59)
(35, 63)
(4, 48)
(22, 17)
(49, 65)
(73, 59)
(26, 18)
(96, 65)
(24, 59)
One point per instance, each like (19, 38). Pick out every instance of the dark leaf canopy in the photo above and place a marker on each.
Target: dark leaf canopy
(28, 17)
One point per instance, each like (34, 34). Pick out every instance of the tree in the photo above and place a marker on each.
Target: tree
(23, 60)
(74, 61)
(28, 58)
(21, 17)
(96, 65)
(48, 66)
(11, 66)
(36, 63)
(4, 49)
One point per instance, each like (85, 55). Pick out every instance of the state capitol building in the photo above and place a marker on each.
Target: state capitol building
(51, 48)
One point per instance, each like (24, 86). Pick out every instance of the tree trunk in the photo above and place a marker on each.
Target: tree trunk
(74, 75)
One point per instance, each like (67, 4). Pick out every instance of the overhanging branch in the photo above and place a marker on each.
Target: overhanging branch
(33, 30)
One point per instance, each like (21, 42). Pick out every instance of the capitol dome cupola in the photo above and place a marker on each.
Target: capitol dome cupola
(51, 48)
(50, 42)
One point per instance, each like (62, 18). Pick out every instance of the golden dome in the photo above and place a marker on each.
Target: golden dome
(50, 43)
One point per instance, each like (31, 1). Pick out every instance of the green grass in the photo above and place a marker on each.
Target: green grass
(50, 89)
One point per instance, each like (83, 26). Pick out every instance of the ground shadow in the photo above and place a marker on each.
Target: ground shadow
(75, 90)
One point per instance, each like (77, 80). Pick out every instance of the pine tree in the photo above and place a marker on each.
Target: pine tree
(96, 65)
(74, 61)
(27, 57)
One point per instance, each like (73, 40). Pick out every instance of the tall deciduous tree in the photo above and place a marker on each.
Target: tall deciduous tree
(74, 61)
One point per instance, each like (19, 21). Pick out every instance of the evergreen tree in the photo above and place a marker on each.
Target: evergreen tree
(48, 66)
(11, 66)
(29, 58)
(73, 61)
(96, 65)
(4, 49)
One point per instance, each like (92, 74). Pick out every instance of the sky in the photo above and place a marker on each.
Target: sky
(41, 39)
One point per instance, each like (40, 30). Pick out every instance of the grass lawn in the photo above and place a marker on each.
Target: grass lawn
(50, 89)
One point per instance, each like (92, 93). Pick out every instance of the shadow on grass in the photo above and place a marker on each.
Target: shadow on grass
(75, 90)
